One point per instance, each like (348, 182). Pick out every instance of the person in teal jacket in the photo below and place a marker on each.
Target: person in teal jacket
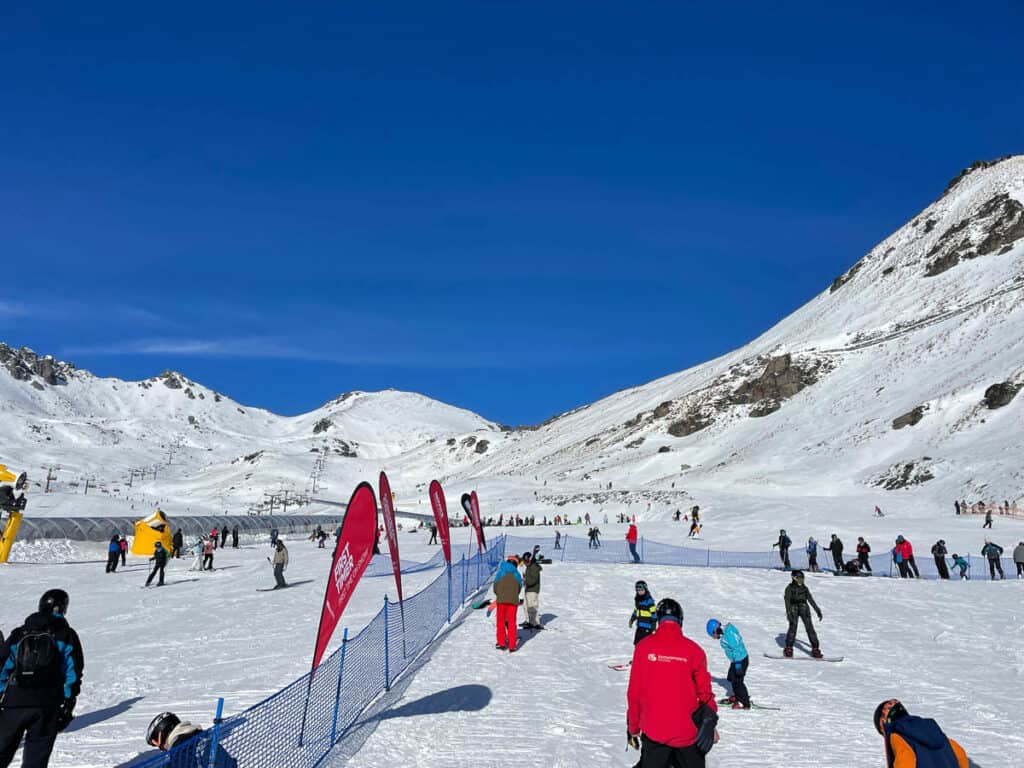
(732, 643)
(960, 562)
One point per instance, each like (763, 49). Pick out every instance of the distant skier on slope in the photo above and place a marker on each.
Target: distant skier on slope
(732, 643)
(812, 555)
(643, 612)
(799, 602)
(783, 544)
(835, 546)
(993, 552)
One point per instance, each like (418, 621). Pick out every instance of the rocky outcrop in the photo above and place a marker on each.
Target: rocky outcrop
(994, 228)
(910, 418)
(904, 475)
(692, 422)
(24, 365)
(781, 379)
(482, 446)
(843, 279)
(171, 380)
(977, 165)
(322, 426)
(999, 395)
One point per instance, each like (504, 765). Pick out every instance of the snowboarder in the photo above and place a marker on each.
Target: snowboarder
(732, 643)
(531, 588)
(159, 560)
(507, 585)
(783, 544)
(915, 741)
(835, 546)
(863, 552)
(962, 564)
(123, 545)
(47, 649)
(670, 701)
(1018, 559)
(993, 552)
(558, 540)
(988, 518)
(433, 534)
(166, 731)
(799, 602)
(113, 554)
(631, 537)
(177, 543)
(208, 547)
(939, 553)
(234, 537)
(694, 529)
(280, 563)
(812, 555)
(643, 612)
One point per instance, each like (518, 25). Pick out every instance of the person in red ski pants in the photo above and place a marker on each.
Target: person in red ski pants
(507, 585)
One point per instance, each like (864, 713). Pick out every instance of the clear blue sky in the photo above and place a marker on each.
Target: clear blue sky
(513, 207)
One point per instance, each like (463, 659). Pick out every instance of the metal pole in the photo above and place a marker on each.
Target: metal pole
(216, 732)
(337, 693)
(387, 675)
(449, 593)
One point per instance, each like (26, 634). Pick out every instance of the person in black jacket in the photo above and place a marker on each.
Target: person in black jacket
(783, 544)
(223, 537)
(159, 560)
(234, 537)
(863, 553)
(41, 666)
(113, 553)
(177, 543)
(835, 546)
(799, 602)
(939, 553)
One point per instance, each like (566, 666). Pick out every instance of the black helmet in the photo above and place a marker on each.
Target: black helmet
(526, 556)
(887, 712)
(669, 609)
(641, 585)
(797, 574)
(160, 727)
(54, 601)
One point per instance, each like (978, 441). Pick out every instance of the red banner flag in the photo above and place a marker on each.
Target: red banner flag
(352, 554)
(440, 508)
(387, 511)
(472, 507)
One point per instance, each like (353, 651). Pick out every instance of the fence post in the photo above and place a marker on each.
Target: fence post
(479, 579)
(387, 676)
(449, 593)
(642, 548)
(216, 732)
(337, 693)
(709, 557)
(565, 545)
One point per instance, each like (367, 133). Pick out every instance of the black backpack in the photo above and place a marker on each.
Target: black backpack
(37, 662)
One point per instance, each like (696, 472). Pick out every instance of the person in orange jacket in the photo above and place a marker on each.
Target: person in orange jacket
(915, 742)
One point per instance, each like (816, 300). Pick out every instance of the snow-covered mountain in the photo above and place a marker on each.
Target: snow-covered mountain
(900, 375)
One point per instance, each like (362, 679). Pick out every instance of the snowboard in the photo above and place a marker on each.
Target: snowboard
(806, 657)
(481, 603)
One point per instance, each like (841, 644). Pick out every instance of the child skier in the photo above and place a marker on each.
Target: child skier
(732, 643)
(799, 602)
(643, 613)
(962, 564)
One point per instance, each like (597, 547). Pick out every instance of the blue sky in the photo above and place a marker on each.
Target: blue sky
(513, 207)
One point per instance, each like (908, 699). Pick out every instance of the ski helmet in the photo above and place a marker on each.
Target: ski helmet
(782, 531)
(887, 712)
(54, 601)
(712, 626)
(160, 727)
(797, 575)
(526, 556)
(641, 585)
(669, 609)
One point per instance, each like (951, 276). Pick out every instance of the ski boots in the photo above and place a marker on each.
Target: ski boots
(816, 653)
(738, 705)
(788, 651)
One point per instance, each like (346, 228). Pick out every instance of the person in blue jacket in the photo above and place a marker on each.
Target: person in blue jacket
(113, 553)
(960, 562)
(732, 643)
(643, 612)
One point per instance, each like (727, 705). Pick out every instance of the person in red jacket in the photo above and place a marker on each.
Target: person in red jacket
(669, 698)
(631, 537)
(903, 553)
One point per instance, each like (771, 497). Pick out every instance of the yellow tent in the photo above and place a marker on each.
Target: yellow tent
(149, 531)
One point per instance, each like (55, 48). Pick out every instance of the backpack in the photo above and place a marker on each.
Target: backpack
(37, 662)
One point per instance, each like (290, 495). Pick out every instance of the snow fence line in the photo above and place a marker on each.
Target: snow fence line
(299, 725)
(578, 550)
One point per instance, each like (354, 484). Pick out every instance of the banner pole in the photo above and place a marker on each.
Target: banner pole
(216, 732)
(449, 593)
(337, 693)
(387, 676)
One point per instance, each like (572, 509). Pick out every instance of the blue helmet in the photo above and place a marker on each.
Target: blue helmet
(712, 626)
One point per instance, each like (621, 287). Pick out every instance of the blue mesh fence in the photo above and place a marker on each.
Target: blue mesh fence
(298, 725)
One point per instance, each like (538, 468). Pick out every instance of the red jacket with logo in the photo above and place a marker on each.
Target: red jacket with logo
(668, 680)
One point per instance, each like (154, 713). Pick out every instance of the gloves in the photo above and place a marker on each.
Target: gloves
(65, 714)
(819, 615)
(632, 620)
(705, 719)
(633, 739)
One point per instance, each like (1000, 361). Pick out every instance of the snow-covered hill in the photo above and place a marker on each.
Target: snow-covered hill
(896, 383)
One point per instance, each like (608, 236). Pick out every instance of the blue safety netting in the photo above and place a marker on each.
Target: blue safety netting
(298, 726)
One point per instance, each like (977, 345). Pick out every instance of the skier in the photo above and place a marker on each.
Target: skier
(812, 555)
(159, 560)
(694, 529)
(177, 543)
(631, 537)
(993, 552)
(783, 544)
(531, 587)
(433, 534)
(280, 562)
(863, 551)
(223, 537)
(988, 518)
(799, 602)
(234, 537)
(643, 612)
(123, 546)
(939, 553)
(669, 697)
(915, 741)
(732, 643)
(208, 547)
(113, 554)
(962, 564)
(46, 651)
(835, 546)
(1018, 559)
(507, 584)
(558, 540)
(167, 732)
